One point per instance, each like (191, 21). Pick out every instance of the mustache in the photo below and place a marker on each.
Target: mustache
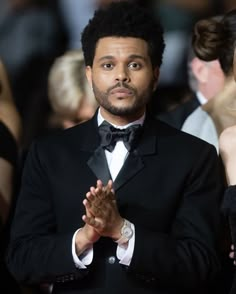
(121, 85)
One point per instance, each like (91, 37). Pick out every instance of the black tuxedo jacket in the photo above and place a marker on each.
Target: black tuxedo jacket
(170, 187)
(177, 116)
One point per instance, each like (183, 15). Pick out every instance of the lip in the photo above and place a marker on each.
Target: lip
(121, 91)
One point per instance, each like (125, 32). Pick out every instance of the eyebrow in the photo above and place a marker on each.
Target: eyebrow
(132, 56)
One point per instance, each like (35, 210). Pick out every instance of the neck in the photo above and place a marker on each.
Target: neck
(121, 120)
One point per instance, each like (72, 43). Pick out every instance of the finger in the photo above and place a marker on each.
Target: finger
(84, 218)
(92, 208)
(231, 254)
(86, 203)
(93, 191)
(109, 194)
(110, 184)
(109, 187)
(93, 198)
(112, 195)
(87, 220)
(104, 192)
(99, 192)
(99, 183)
(232, 246)
(90, 196)
(88, 209)
(99, 187)
(91, 221)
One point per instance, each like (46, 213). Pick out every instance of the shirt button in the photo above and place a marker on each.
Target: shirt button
(112, 259)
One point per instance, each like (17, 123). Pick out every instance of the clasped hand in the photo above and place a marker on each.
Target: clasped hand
(102, 217)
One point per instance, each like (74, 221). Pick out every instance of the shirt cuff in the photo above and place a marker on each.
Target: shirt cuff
(85, 258)
(125, 252)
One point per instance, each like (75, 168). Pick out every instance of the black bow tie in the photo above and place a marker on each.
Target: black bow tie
(110, 135)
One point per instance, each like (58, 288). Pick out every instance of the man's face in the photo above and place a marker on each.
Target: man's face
(122, 76)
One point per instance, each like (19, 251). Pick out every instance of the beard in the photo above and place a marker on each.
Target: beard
(140, 101)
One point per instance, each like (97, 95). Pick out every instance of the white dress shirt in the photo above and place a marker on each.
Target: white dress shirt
(115, 160)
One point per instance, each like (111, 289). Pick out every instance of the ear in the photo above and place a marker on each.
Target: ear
(200, 70)
(156, 77)
(89, 75)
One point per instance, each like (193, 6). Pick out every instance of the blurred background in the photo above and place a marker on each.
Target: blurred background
(41, 52)
(33, 33)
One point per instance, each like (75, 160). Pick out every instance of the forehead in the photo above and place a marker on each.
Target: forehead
(121, 47)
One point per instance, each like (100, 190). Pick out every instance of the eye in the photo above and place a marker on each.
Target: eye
(134, 65)
(107, 66)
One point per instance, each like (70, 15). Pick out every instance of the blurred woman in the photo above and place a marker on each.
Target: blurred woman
(227, 147)
(10, 141)
(10, 133)
(69, 93)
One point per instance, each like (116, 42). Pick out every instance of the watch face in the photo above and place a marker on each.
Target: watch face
(127, 232)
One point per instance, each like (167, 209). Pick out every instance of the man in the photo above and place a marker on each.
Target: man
(209, 120)
(137, 215)
(205, 79)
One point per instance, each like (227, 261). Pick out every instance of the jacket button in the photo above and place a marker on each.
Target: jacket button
(112, 259)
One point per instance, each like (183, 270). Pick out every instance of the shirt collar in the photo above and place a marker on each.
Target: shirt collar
(201, 98)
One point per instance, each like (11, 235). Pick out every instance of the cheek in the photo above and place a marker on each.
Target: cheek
(219, 82)
(145, 82)
(220, 76)
(102, 80)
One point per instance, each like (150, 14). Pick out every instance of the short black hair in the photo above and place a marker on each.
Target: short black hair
(124, 19)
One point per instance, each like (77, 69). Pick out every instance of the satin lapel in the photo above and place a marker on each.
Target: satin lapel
(131, 167)
(98, 164)
(97, 161)
(134, 163)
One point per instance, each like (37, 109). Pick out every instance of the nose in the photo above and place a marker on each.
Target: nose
(122, 74)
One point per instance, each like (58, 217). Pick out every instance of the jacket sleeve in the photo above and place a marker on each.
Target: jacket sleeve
(37, 252)
(187, 255)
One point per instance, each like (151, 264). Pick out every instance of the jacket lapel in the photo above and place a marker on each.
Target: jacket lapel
(98, 164)
(134, 162)
(97, 160)
(131, 167)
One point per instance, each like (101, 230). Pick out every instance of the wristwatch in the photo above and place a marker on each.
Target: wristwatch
(126, 233)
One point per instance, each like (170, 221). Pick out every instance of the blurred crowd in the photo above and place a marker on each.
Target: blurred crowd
(33, 33)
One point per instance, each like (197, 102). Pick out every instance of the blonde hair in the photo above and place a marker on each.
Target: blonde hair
(68, 85)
